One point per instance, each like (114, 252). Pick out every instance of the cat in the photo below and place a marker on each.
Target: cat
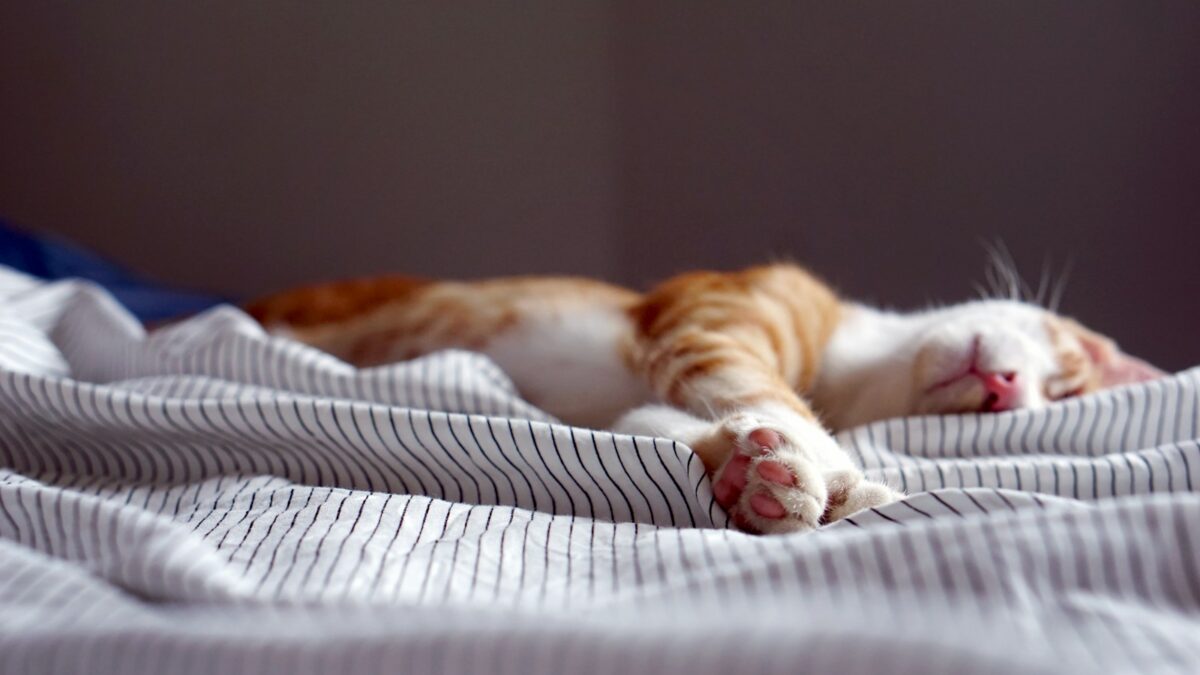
(751, 369)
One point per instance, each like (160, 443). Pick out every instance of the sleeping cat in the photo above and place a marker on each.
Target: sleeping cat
(750, 369)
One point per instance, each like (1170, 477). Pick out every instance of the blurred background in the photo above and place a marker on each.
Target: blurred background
(245, 147)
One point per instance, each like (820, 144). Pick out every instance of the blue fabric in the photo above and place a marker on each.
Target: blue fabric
(50, 258)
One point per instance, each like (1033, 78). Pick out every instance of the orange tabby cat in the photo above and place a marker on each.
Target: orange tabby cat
(750, 369)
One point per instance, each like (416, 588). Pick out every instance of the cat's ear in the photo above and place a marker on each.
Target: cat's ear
(1115, 366)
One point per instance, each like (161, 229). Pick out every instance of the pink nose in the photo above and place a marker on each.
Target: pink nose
(1001, 391)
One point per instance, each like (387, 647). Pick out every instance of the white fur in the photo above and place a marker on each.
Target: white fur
(664, 422)
(869, 368)
(815, 443)
(568, 363)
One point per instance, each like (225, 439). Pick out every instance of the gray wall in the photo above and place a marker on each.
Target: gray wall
(248, 146)
(244, 146)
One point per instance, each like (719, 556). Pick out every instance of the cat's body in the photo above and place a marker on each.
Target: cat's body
(747, 368)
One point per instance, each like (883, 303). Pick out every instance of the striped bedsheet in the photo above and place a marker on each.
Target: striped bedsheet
(210, 499)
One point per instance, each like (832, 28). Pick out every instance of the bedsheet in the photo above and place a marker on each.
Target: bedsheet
(211, 499)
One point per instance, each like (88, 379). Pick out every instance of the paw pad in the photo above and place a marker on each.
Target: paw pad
(775, 472)
(767, 506)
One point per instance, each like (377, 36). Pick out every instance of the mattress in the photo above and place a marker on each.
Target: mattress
(211, 499)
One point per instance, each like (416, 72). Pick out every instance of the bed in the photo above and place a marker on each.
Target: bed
(211, 499)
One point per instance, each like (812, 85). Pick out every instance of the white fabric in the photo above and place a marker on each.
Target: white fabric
(210, 499)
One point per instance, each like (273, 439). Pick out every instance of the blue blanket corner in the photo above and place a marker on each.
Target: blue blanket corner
(50, 258)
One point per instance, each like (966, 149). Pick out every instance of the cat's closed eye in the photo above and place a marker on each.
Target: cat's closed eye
(1056, 389)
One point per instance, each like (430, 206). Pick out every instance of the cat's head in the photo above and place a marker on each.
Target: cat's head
(980, 356)
(997, 355)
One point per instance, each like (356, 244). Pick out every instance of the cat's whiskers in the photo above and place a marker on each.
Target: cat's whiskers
(1043, 283)
(1060, 287)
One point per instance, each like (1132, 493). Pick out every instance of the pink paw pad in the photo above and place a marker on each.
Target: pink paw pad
(767, 506)
(732, 481)
(765, 439)
(775, 473)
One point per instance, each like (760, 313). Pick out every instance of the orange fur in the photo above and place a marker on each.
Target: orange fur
(707, 342)
(1078, 374)
(711, 343)
(372, 321)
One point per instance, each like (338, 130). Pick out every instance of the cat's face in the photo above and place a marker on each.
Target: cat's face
(996, 355)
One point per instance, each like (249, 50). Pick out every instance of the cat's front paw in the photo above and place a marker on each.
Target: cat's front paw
(766, 486)
(777, 479)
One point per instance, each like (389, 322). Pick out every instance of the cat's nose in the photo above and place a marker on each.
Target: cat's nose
(1000, 391)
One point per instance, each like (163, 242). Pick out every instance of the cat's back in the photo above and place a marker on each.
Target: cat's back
(564, 340)
(376, 319)
(333, 302)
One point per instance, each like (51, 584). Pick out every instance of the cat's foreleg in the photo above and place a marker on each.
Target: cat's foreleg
(732, 351)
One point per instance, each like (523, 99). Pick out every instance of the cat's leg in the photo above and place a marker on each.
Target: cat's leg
(735, 349)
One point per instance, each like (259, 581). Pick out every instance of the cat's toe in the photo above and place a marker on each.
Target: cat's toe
(850, 493)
